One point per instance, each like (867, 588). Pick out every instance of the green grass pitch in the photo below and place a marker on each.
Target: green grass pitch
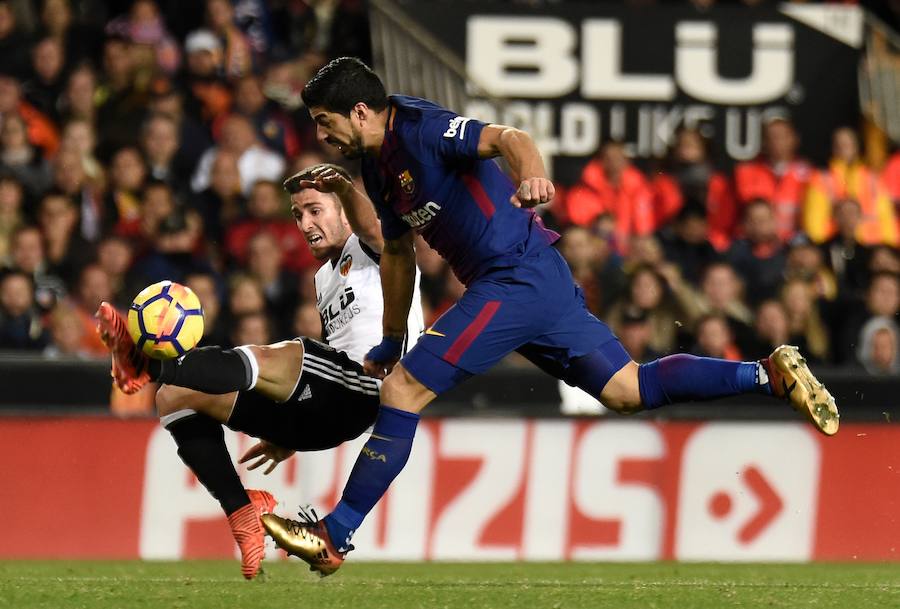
(218, 585)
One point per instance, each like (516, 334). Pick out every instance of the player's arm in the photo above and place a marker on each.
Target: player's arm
(524, 159)
(398, 276)
(357, 207)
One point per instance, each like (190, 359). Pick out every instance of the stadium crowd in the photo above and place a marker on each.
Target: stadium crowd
(146, 140)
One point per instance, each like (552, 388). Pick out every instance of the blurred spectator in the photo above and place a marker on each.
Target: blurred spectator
(251, 329)
(122, 204)
(317, 30)
(255, 162)
(690, 181)
(647, 292)
(78, 101)
(635, 333)
(27, 255)
(48, 77)
(806, 261)
(882, 299)
(778, 177)
(273, 127)
(82, 40)
(70, 178)
(78, 135)
(687, 243)
(877, 351)
(844, 254)
(20, 322)
(173, 253)
(264, 256)
(238, 54)
(41, 131)
(307, 321)
(759, 257)
(12, 214)
(885, 259)
(67, 252)
(144, 27)
(123, 103)
(266, 209)
(209, 94)
(115, 255)
(66, 334)
(193, 138)
(611, 184)
(206, 287)
(93, 288)
(245, 295)
(721, 294)
(161, 148)
(157, 204)
(805, 325)
(714, 338)
(14, 42)
(770, 328)
(222, 203)
(20, 159)
(848, 177)
(595, 268)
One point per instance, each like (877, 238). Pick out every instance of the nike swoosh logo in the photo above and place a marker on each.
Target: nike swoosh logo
(434, 333)
(377, 437)
(788, 390)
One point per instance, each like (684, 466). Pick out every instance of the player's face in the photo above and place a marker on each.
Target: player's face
(321, 220)
(339, 131)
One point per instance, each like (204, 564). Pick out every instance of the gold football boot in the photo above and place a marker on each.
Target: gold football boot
(307, 539)
(792, 380)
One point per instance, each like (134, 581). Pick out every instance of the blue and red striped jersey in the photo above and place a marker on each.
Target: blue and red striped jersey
(429, 178)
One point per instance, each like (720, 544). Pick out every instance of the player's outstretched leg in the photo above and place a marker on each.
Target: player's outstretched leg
(129, 364)
(687, 378)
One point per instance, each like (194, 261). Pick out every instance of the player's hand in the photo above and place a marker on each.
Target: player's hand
(265, 452)
(381, 358)
(326, 179)
(532, 192)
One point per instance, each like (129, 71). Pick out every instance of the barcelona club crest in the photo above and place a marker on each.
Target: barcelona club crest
(346, 263)
(406, 182)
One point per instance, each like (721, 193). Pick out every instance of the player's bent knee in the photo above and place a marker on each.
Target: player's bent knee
(403, 391)
(622, 393)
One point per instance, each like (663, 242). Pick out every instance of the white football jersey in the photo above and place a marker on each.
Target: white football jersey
(351, 304)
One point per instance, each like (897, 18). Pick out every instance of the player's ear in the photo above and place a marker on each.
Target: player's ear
(360, 112)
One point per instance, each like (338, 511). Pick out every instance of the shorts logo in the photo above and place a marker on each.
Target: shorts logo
(432, 332)
(456, 127)
(406, 182)
(306, 394)
(346, 263)
(422, 216)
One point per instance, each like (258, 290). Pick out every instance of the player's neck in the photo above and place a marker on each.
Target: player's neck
(382, 122)
(335, 254)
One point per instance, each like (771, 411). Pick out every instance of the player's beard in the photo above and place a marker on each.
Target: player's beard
(355, 148)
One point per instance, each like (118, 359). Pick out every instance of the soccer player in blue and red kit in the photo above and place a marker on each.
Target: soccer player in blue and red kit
(429, 170)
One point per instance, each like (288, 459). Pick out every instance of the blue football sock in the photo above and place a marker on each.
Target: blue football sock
(379, 462)
(688, 378)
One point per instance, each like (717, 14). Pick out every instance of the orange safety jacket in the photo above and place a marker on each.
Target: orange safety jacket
(850, 181)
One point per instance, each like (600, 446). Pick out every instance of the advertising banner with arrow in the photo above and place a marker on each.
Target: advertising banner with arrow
(482, 489)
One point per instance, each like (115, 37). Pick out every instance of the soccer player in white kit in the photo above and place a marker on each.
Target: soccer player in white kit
(299, 394)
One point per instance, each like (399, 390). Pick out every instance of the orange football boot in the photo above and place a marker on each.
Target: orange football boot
(129, 364)
(248, 531)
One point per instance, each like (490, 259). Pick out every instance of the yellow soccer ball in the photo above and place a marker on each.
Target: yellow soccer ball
(165, 320)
